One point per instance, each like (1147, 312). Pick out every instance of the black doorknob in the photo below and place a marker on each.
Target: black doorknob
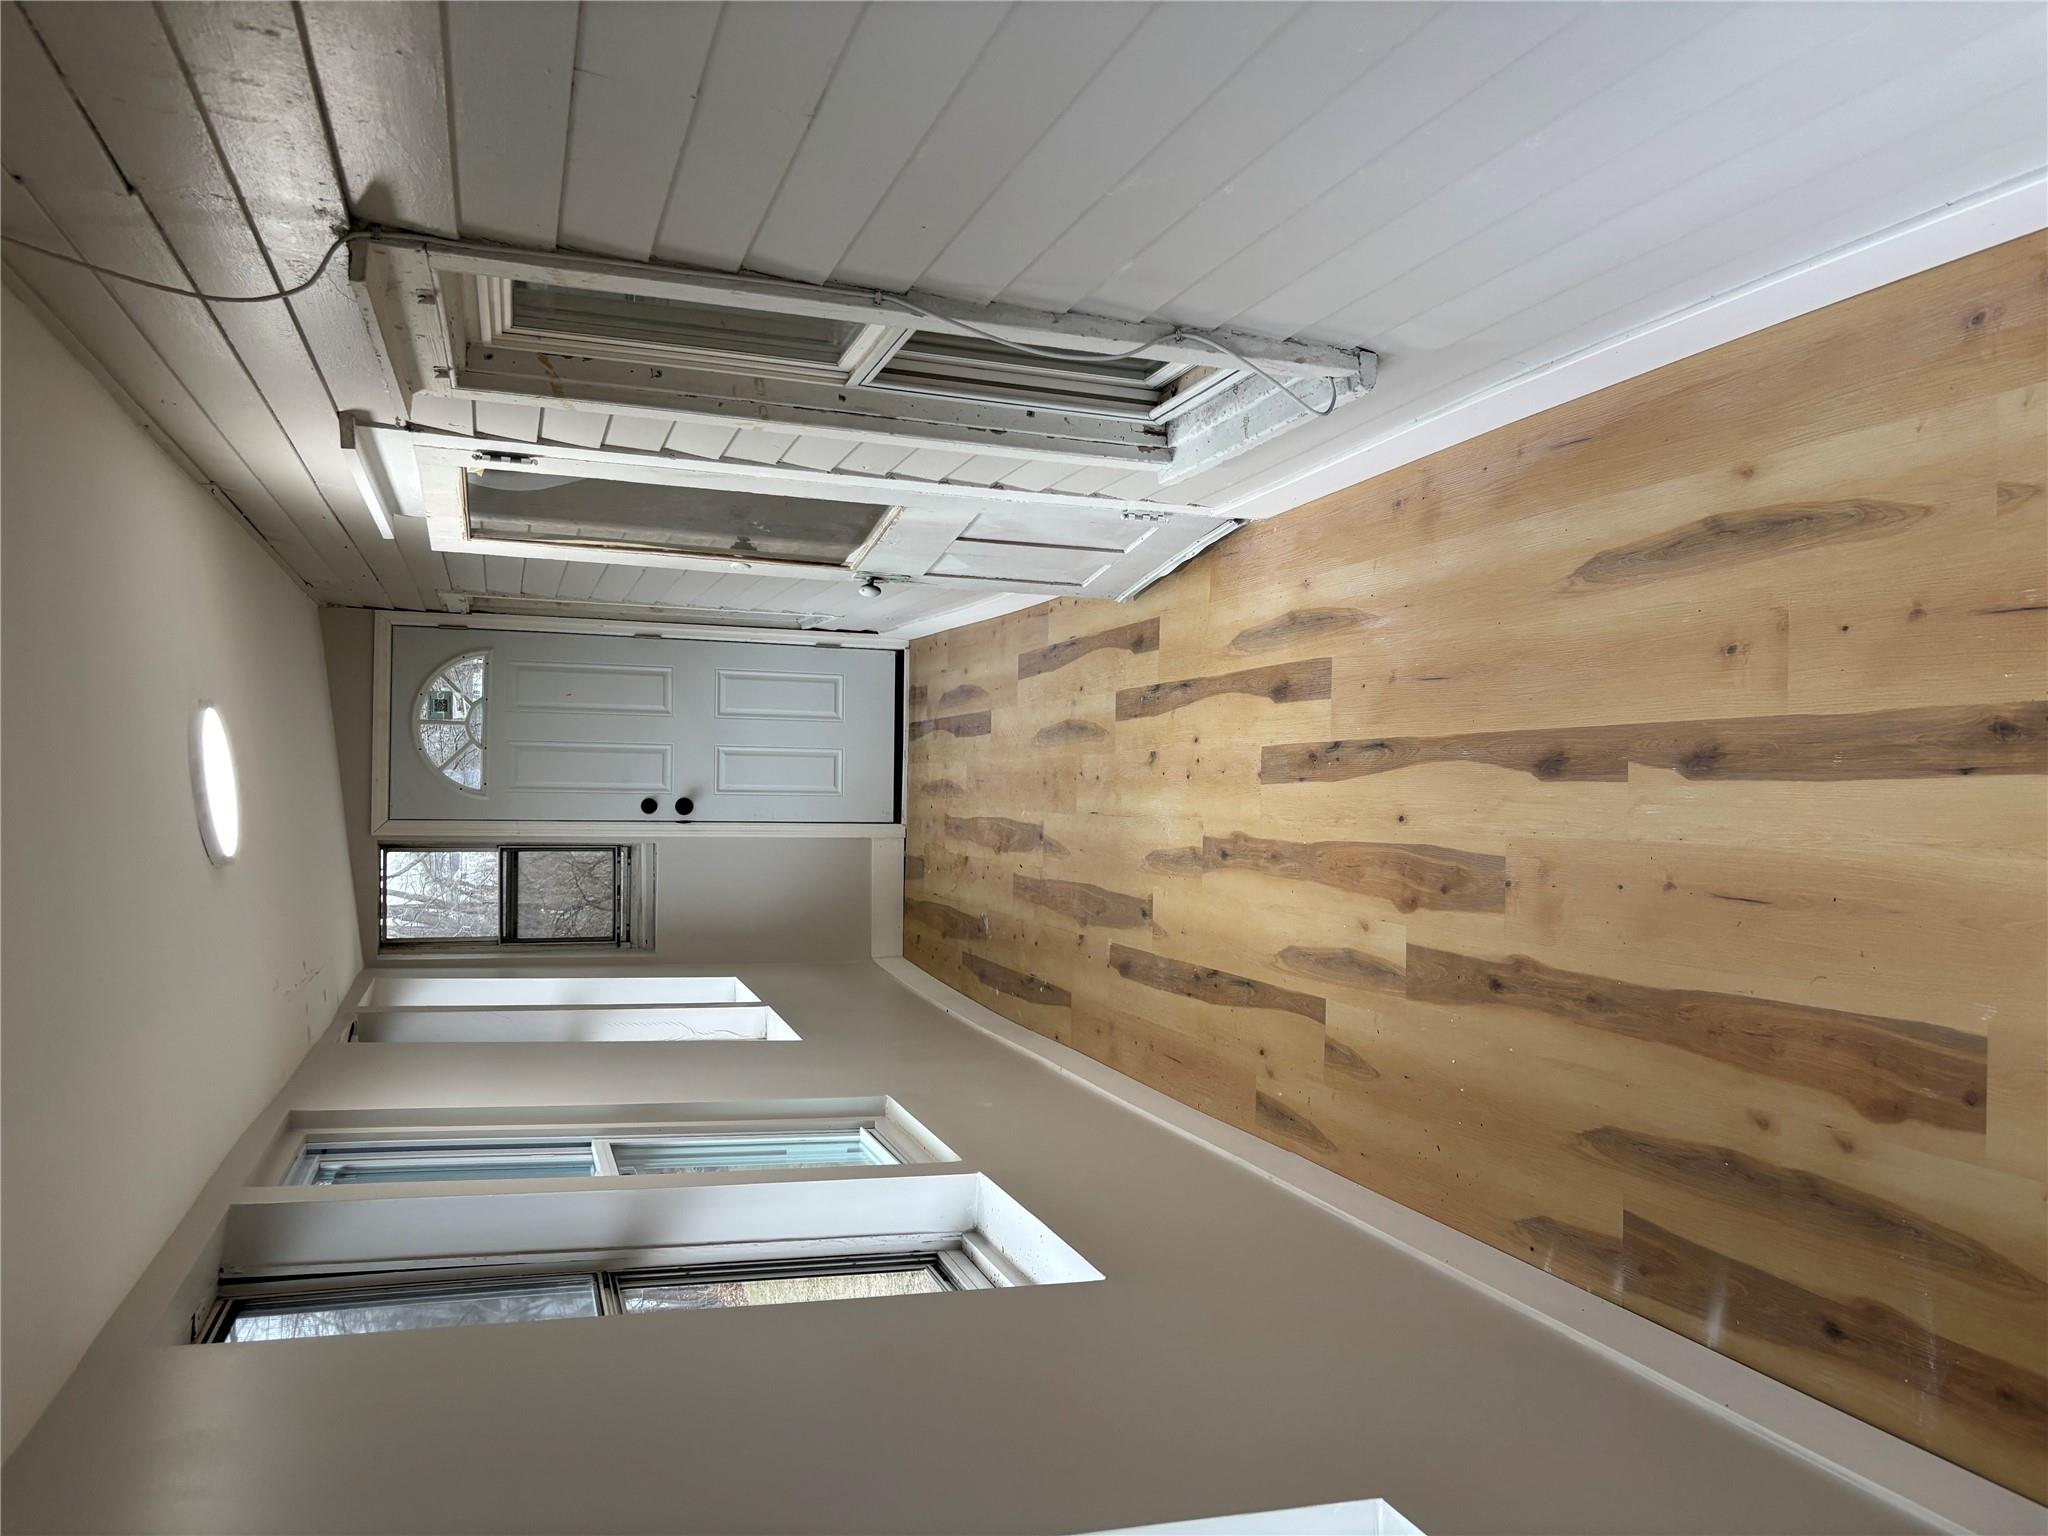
(649, 806)
(685, 805)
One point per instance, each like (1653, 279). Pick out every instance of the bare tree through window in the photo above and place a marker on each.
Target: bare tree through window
(492, 895)
(452, 1306)
(566, 893)
(448, 721)
(440, 893)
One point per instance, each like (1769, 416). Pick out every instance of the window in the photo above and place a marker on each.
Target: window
(473, 897)
(304, 1263)
(774, 1282)
(393, 1308)
(969, 368)
(389, 1303)
(462, 1159)
(645, 327)
(564, 895)
(922, 370)
(857, 1148)
(440, 1162)
(628, 514)
(895, 355)
(448, 721)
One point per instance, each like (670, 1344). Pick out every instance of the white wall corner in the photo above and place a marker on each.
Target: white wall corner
(885, 896)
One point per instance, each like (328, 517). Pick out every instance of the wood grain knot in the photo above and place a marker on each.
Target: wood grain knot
(953, 725)
(1732, 538)
(1137, 639)
(1284, 683)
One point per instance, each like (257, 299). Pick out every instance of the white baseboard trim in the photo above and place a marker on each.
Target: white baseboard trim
(1962, 228)
(1921, 1484)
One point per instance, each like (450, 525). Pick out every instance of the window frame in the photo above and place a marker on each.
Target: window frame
(959, 371)
(632, 899)
(963, 1264)
(219, 1320)
(1014, 382)
(316, 1148)
(437, 315)
(473, 707)
(508, 891)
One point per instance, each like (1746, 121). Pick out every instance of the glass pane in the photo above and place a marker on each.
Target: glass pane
(449, 721)
(457, 1304)
(706, 1294)
(466, 674)
(691, 519)
(467, 769)
(440, 893)
(566, 893)
(767, 1149)
(441, 742)
(967, 367)
(487, 1160)
(736, 335)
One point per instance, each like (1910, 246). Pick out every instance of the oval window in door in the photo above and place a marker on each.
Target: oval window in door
(448, 721)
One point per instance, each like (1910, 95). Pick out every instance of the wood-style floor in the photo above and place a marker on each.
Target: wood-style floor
(1623, 837)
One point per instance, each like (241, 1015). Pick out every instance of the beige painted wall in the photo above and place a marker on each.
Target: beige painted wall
(153, 1002)
(717, 901)
(1248, 1349)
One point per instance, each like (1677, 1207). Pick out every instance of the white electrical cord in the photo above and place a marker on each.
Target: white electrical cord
(193, 293)
(1239, 358)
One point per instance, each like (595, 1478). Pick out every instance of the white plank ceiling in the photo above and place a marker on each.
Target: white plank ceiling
(1472, 190)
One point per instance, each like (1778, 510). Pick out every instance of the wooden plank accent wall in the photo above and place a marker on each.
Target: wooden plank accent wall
(1623, 837)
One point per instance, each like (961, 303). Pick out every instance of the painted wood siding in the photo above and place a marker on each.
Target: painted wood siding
(1623, 837)
(1312, 170)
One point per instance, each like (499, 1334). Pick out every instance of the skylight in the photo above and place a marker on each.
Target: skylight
(624, 514)
(677, 331)
(1123, 388)
(902, 358)
(913, 369)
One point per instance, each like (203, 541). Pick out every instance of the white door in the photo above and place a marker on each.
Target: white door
(506, 725)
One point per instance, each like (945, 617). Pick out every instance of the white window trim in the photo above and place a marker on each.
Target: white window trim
(906, 1137)
(960, 1258)
(274, 1233)
(601, 1147)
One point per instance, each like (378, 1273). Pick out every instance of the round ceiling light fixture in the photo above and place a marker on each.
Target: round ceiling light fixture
(869, 587)
(214, 787)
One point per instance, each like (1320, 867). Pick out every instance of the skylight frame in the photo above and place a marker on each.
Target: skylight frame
(418, 293)
(963, 368)
(498, 326)
(983, 372)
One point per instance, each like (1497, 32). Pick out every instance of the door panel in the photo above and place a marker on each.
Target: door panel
(780, 696)
(589, 727)
(590, 765)
(590, 689)
(780, 771)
